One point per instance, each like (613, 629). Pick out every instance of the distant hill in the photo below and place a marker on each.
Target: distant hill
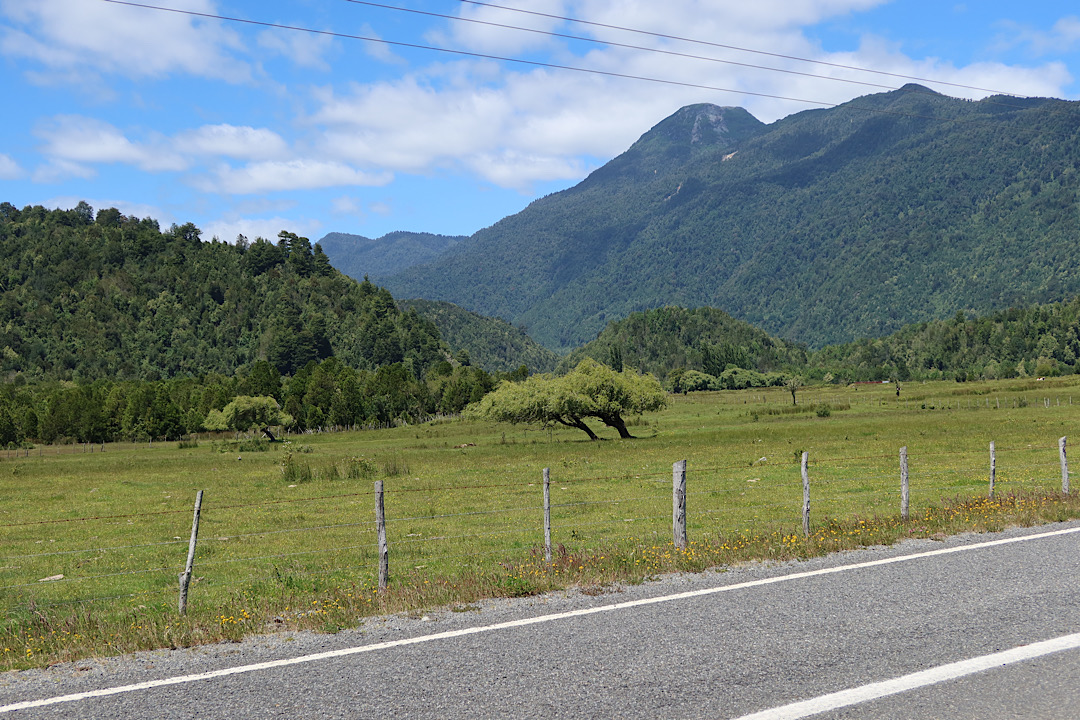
(88, 298)
(823, 227)
(358, 256)
(1034, 341)
(704, 339)
(492, 344)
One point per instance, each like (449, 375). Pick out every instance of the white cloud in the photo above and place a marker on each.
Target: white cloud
(1063, 37)
(517, 170)
(304, 49)
(84, 140)
(380, 51)
(519, 126)
(346, 205)
(67, 35)
(242, 142)
(479, 30)
(273, 176)
(9, 169)
(58, 170)
(227, 228)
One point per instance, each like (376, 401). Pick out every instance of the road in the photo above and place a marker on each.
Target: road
(715, 645)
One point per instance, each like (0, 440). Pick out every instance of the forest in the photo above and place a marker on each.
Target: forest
(112, 328)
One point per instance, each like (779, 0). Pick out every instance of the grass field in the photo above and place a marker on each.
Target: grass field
(287, 538)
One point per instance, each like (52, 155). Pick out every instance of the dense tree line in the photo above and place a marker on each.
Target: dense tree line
(1036, 341)
(321, 395)
(112, 328)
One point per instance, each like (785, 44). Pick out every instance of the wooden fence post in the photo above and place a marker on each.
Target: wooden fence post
(380, 524)
(678, 506)
(185, 577)
(993, 468)
(1064, 467)
(547, 515)
(903, 483)
(805, 496)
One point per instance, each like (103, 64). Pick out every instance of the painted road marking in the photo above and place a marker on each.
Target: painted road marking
(344, 652)
(942, 673)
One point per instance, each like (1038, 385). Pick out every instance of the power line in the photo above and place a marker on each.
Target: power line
(735, 47)
(611, 43)
(535, 63)
(485, 56)
(466, 53)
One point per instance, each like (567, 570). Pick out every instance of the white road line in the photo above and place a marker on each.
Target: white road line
(344, 652)
(873, 691)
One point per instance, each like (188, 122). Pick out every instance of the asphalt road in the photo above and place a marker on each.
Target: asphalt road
(732, 645)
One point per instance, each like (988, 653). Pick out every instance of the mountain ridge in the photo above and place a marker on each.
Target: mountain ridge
(824, 226)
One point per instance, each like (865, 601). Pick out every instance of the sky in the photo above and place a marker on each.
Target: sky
(434, 115)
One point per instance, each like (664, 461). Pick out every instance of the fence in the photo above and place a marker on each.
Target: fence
(419, 531)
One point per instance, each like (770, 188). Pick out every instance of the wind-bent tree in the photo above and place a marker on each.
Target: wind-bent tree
(246, 412)
(539, 399)
(589, 390)
(612, 394)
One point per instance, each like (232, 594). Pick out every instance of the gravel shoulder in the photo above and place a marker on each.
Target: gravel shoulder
(96, 673)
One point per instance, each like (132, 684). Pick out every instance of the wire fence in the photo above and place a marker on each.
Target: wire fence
(134, 558)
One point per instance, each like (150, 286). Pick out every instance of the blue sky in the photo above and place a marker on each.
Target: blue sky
(243, 128)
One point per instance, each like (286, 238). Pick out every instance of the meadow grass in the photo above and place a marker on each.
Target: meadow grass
(287, 538)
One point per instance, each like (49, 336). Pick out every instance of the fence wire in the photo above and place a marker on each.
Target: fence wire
(718, 496)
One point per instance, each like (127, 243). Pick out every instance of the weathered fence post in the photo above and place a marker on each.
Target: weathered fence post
(547, 515)
(1064, 467)
(185, 577)
(380, 524)
(903, 483)
(805, 496)
(993, 468)
(678, 505)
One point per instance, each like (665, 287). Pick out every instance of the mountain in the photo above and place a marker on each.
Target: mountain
(358, 256)
(90, 298)
(492, 344)
(823, 227)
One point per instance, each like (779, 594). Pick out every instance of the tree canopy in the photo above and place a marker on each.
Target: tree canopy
(85, 298)
(246, 412)
(589, 390)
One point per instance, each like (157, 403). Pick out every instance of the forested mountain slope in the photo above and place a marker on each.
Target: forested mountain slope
(705, 339)
(357, 256)
(492, 344)
(87, 297)
(823, 227)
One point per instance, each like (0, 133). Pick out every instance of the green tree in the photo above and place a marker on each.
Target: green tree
(614, 394)
(246, 412)
(540, 399)
(589, 390)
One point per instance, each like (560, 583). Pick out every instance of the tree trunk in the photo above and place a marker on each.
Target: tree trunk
(580, 425)
(618, 423)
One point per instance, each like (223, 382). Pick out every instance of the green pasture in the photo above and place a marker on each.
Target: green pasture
(292, 544)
